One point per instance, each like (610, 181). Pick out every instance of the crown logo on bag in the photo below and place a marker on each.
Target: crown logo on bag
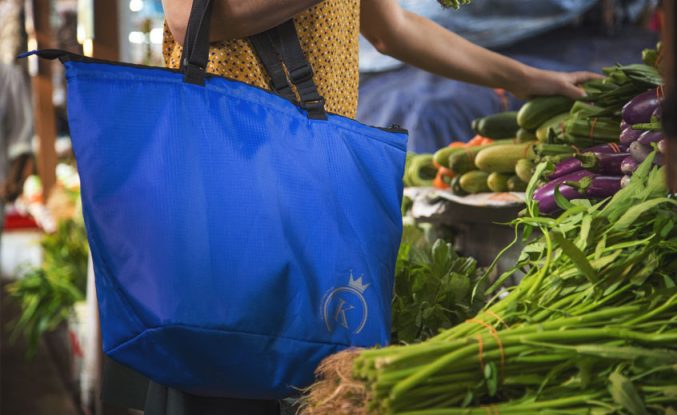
(344, 307)
(357, 283)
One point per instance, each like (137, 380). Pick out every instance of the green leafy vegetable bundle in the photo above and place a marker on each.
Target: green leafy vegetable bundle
(590, 329)
(47, 294)
(432, 288)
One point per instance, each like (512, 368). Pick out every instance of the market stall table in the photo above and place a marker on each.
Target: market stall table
(479, 222)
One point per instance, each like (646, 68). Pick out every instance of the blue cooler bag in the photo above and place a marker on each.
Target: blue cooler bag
(238, 237)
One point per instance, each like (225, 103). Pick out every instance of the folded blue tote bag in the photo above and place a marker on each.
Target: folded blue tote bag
(238, 235)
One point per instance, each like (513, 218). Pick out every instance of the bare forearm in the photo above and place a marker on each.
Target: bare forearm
(422, 43)
(235, 18)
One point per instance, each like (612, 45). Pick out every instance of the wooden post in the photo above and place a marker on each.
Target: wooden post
(670, 73)
(105, 45)
(45, 120)
(106, 30)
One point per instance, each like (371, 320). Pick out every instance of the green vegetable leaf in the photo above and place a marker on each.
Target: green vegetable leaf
(491, 378)
(599, 263)
(562, 201)
(577, 257)
(467, 400)
(582, 241)
(631, 215)
(441, 254)
(531, 188)
(625, 394)
(459, 285)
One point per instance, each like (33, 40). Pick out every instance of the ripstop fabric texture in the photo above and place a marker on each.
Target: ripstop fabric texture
(235, 241)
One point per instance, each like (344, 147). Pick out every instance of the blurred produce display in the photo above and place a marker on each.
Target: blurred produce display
(591, 146)
(47, 294)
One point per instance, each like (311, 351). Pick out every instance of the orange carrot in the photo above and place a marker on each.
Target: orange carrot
(438, 182)
(445, 172)
(476, 140)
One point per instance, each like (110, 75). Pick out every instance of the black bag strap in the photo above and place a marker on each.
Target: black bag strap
(196, 43)
(282, 43)
(267, 53)
(300, 72)
(279, 43)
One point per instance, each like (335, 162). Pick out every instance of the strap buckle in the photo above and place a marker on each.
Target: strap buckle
(315, 108)
(301, 74)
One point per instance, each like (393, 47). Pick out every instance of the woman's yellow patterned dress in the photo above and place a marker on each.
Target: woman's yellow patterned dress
(329, 34)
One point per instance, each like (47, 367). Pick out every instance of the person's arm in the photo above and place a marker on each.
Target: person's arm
(234, 18)
(421, 42)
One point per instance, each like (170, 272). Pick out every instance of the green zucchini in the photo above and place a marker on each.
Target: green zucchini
(474, 182)
(474, 124)
(496, 126)
(540, 109)
(464, 161)
(523, 136)
(556, 123)
(456, 187)
(515, 184)
(421, 171)
(503, 158)
(441, 156)
(498, 182)
(524, 169)
(405, 178)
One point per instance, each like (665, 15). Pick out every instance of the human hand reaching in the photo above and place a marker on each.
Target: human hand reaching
(539, 82)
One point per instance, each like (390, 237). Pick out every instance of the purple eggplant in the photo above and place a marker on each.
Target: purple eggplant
(579, 185)
(607, 148)
(546, 200)
(639, 151)
(659, 160)
(602, 186)
(625, 180)
(662, 146)
(602, 163)
(639, 109)
(545, 194)
(573, 176)
(629, 135)
(628, 165)
(624, 125)
(565, 167)
(649, 137)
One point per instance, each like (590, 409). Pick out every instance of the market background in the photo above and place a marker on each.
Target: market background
(43, 231)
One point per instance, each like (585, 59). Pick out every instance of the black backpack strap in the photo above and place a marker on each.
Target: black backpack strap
(196, 43)
(267, 53)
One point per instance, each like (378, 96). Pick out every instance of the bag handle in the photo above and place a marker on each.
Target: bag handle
(299, 69)
(267, 53)
(279, 44)
(196, 43)
(282, 43)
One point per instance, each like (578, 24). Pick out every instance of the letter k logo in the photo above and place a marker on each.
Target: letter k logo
(340, 315)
